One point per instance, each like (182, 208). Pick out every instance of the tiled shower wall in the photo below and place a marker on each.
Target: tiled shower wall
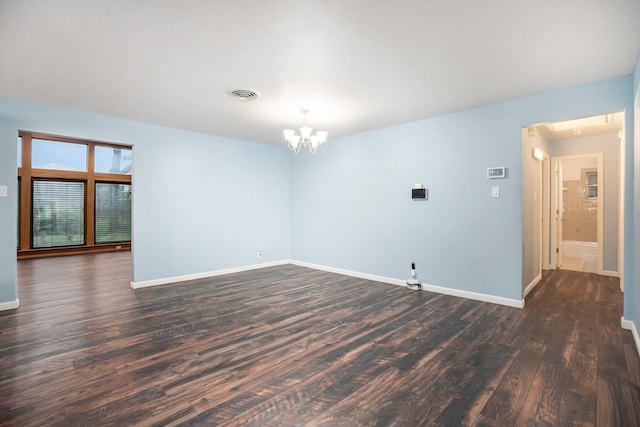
(580, 213)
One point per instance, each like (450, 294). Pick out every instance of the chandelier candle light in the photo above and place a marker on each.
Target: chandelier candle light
(314, 142)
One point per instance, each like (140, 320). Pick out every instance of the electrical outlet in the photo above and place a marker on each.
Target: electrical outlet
(259, 253)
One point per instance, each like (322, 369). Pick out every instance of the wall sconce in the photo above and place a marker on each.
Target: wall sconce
(537, 154)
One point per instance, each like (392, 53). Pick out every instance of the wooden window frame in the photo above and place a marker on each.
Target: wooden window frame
(27, 174)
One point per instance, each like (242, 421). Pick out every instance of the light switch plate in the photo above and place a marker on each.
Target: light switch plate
(495, 191)
(3, 191)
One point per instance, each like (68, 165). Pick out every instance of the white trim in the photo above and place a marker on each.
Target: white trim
(600, 219)
(426, 287)
(351, 273)
(398, 282)
(10, 305)
(532, 285)
(545, 205)
(175, 279)
(631, 326)
(610, 273)
(509, 302)
(621, 203)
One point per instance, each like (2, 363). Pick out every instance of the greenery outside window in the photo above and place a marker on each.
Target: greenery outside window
(57, 214)
(113, 212)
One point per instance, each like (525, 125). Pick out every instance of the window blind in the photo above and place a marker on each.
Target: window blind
(113, 212)
(57, 214)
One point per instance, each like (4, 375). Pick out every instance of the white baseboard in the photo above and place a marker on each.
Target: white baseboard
(629, 325)
(398, 282)
(431, 288)
(10, 305)
(509, 302)
(196, 276)
(357, 274)
(610, 273)
(532, 285)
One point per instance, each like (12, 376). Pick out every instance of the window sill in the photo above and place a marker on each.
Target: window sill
(73, 250)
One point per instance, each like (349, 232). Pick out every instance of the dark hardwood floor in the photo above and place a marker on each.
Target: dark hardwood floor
(290, 346)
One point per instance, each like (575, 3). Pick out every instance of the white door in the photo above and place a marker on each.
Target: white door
(538, 197)
(559, 214)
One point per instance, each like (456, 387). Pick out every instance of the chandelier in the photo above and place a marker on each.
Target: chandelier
(305, 139)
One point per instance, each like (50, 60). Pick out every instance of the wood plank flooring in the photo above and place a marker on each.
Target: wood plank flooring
(290, 346)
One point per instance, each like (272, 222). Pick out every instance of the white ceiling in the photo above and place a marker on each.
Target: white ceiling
(357, 64)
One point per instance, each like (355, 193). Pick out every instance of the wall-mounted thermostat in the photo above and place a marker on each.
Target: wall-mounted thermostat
(497, 172)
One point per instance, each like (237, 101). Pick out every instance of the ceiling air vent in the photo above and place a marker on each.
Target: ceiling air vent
(243, 95)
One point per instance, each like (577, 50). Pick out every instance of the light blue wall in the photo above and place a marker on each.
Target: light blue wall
(8, 209)
(224, 200)
(200, 203)
(346, 207)
(351, 205)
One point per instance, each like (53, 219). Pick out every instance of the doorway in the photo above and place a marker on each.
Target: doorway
(577, 200)
(598, 140)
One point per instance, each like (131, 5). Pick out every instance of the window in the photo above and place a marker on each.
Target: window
(113, 212)
(57, 155)
(73, 195)
(57, 214)
(591, 184)
(112, 160)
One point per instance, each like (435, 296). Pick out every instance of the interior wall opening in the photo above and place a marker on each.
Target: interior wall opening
(74, 196)
(589, 220)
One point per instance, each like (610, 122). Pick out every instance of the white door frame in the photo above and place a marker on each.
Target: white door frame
(621, 187)
(545, 217)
